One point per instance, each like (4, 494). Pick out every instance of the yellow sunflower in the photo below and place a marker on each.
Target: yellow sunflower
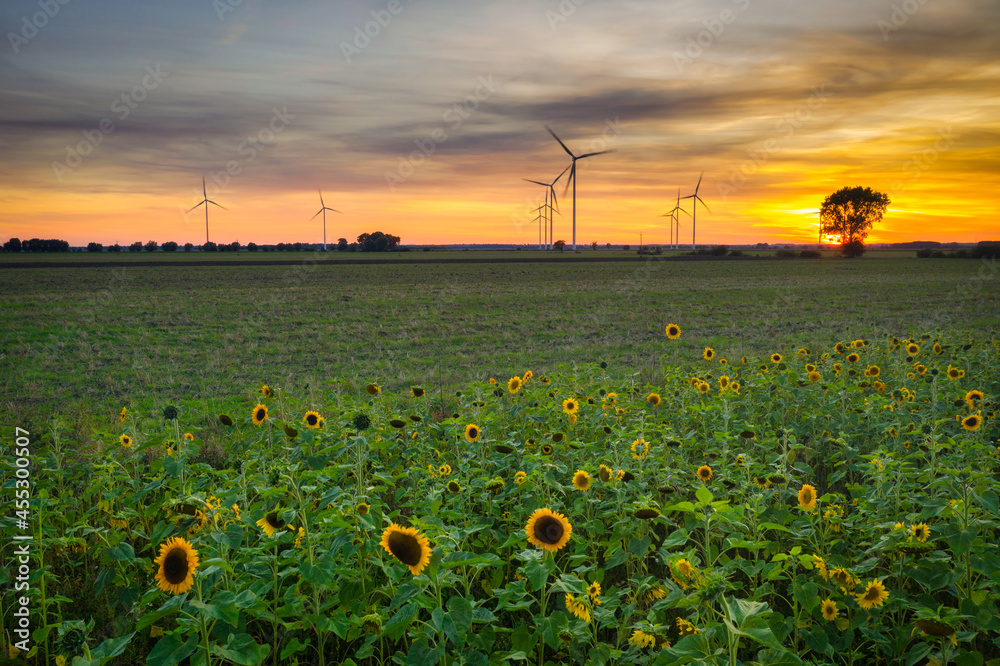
(640, 449)
(938, 349)
(176, 566)
(605, 473)
(547, 530)
(873, 596)
(123, 413)
(312, 419)
(528, 374)
(807, 497)
(853, 357)
(814, 376)
(641, 639)
(126, 441)
(954, 373)
(581, 480)
(972, 422)
(520, 477)
(830, 611)
(594, 591)
(471, 433)
(913, 349)
(570, 406)
(673, 331)
(820, 565)
(259, 414)
(921, 532)
(653, 399)
(708, 354)
(775, 358)
(271, 523)
(188, 437)
(577, 608)
(514, 385)
(705, 473)
(408, 546)
(444, 470)
(373, 389)
(362, 508)
(872, 371)
(265, 391)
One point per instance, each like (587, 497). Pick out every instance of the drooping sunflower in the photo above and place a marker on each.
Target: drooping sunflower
(673, 331)
(176, 566)
(570, 406)
(972, 422)
(265, 391)
(705, 473)
(843, 578)
(271, 523)
(830, 611)
(641, 639)
(807, 497)
(126, 441)
(547, 530)
(653, 399)
(873, 596)
(471, 433)
(577, 608)
(373, 389)
(776, 358)
(363, 508)
(408, 546)
(123, 413)
(312, 419)
(815, 376)
(259, 414)
(646, 513)
(708, 354)
(820, 565)
(605, 473)
(520, 477)
(528, 374)
(416, 392)
(581, 480)
(686, 628)
(188, 437)
(454, 486)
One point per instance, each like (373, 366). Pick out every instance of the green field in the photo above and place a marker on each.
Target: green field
(90, 340)
(226, 465)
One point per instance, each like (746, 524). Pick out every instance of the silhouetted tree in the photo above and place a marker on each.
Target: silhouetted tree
(188, 247)
(559, 245)
(377, 242)
(95, 247)
(342, 245)
(115, 248)
(135, 247)
(13, 245)
(251, 247)
(850, 213)
(169, 246)
(209, 246)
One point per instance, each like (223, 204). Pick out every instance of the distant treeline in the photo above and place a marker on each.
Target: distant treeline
(982, 250)
(36, 245)
(367, 242)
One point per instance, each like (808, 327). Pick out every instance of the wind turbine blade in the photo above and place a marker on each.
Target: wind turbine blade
(613, 150)
(569, 179)
(560, 142)
(334, 210)
(219, 205)
(194, 206)
(314, 216)
(561, 174)
(203, 190)
(321, 197)
(699, 182)
(534, 181)
(555, 201)
(704, 204)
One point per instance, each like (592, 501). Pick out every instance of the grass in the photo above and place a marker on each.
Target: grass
(89, 340)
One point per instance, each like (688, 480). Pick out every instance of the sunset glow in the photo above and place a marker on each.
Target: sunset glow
(112, 114)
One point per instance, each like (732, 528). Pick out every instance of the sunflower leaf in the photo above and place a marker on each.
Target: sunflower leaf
(242, 649)
(169, 650)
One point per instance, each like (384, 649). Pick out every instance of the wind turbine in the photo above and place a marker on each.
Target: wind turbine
(323, 210)
(206, 202)
(694, 209)
(552, 191)
(675, 219)
(572, 173)
(540, 218)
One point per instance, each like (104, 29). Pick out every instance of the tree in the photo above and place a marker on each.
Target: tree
(151, 246)
(377, 242)
(341, 245)
(850, 213)
(169, 246)
(13, 245)
(593, 246)
(135, 247)
(188, 247)
(95, 247)
(559, 245)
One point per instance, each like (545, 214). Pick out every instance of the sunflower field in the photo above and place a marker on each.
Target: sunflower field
(811, 506)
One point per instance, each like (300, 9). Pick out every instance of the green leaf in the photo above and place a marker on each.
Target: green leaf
(807, 595)
(228, 614)
(773, 526)
(537, 572)
(551, 626)
(112, 647)
(123, 552)
(398, 623)
(173, 605)
(242, 649)
(169, 650)
(704, 495)
(218, 562)
(746, 618)
(460, 614)
(459, 559)
(172, 466)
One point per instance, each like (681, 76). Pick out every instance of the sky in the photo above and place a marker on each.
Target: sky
(422, 118)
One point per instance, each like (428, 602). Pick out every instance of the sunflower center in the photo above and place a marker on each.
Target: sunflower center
(311, 419)
(175, 566)
(274, 521)
(872, 594)
(405, 548)
(473, 433)
(548, 530)
(260, 414)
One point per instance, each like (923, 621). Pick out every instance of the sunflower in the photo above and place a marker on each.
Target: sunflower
(775, 358)
(188, 437)
(126, 441)
(673, 331)
(705, 473)
(704, 387)
(471, 433)
(858, 344)
(122, 415)
(708, 354)
(528, 374)
(444, 470)
(362, 508)
(640, 449)
(312, 419)
(807, 497)
(641, 639)
(493, 382)
(815, 376)
(408, 546)
(259, 414)
(723, 382)
(843, 577)
(938, 349)
(653, 399)
(853, 357)
(874, 595)
(265, 391)
(872, 371)
(271, 523)
(972, 422)
(416, 392)
(454, 486)
(301, 535)
(830, 611)
(974, 397)
(514, 385)
(548, 530)
(577, 608)
(954, 373)
(646, 513)
(605, 473)
(176, 564)
(685, 628)
(913, 349)
(839, 348)
(803, 352)
(546, 449)
(686, 569)
(570, 406)
(920, 532)
(734, 387)
(820, 565)
(594, 591)
(373, 389)
(520, 477)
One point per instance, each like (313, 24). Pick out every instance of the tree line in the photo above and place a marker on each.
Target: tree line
(367, 242)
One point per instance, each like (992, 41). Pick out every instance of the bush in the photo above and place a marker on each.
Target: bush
(170, 246)
(986, 250)
(188, 247)
(785, 254)
(736, 253)
(251, 247)
(151, 246)
(626, 247)
(719, 251)
(810, 254)
(925, 254)
(209, 246)
(853, 249)
(135, 247)
(95, 247)
(115, 248)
